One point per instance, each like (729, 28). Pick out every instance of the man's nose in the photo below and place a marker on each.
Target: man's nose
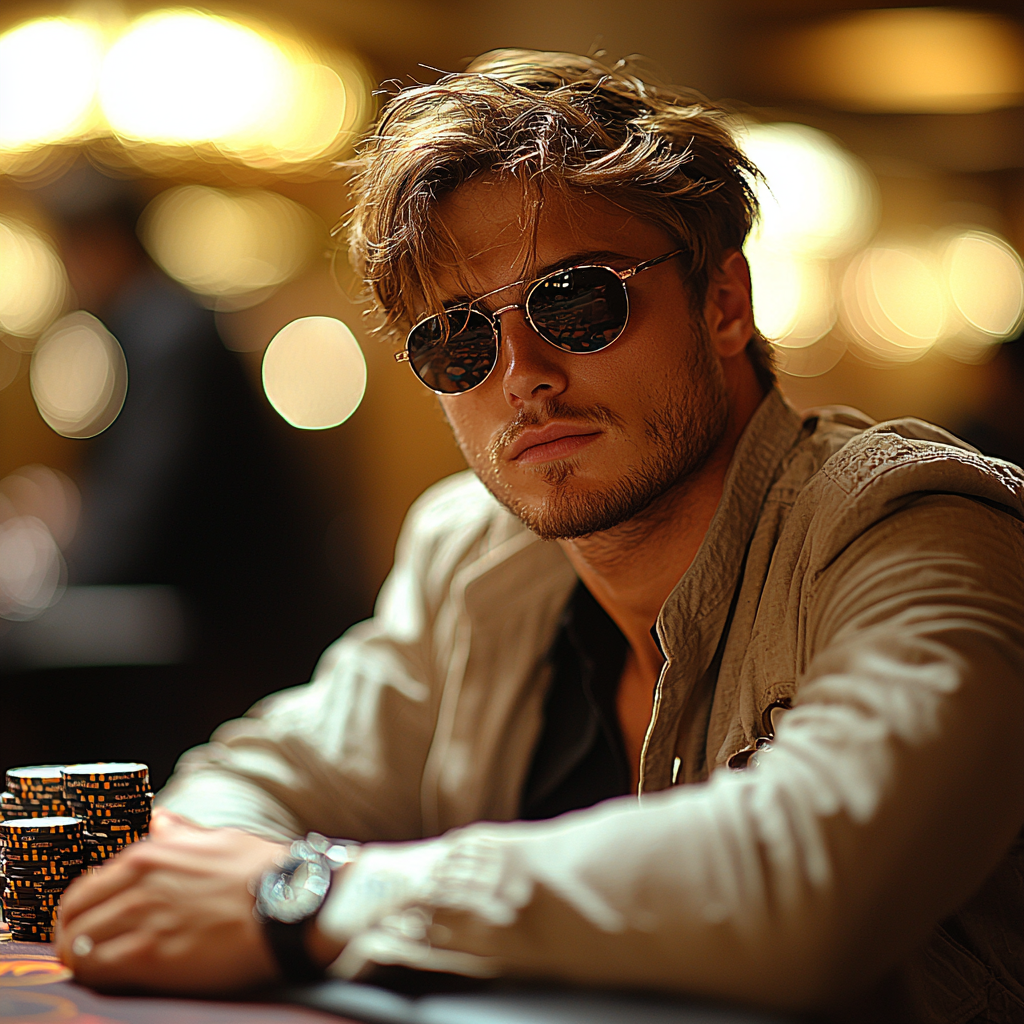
(531, 369)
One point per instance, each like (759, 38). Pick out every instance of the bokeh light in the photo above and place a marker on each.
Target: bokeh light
(48, 73)
(895, 301)
(46, 494)
(315, 109)
(78, 376)
(178, 84)
(817, 203)
(314, 373)
(921, 60)
(986, 282)
(223, 244)
(181, 76)
(792, 296)
(33, 284)
(817, 200)
(39, 510)
(31, 568)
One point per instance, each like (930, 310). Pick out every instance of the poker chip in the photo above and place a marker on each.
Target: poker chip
(104, 774)
(35, 792)
(27, 828)
(35, 877)
(58, 820)
(113, 800)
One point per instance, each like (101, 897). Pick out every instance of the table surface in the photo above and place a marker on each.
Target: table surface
(36, 986)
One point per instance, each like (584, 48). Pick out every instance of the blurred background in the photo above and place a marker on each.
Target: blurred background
(184, 523)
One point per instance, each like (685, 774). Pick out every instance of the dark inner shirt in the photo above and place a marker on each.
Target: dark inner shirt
(580, 758)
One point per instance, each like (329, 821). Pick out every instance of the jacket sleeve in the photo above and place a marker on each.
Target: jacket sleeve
(893, 789)
(343, 754)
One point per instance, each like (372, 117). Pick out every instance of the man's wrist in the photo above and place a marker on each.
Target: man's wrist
(323, 950)
(289, 901)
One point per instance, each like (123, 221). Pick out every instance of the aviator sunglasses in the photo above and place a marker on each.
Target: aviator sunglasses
(580, 309)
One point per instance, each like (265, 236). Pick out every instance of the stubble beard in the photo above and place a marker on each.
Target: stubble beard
(687, 419)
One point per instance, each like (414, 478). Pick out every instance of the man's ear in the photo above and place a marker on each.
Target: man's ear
(727, 309)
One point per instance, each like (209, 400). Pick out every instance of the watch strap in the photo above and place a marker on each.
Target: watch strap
(288, 944)
(284, 925)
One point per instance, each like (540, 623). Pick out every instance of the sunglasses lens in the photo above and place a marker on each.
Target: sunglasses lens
(455, 356)
(581, 310)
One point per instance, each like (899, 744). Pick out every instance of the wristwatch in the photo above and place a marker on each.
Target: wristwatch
(292, 894)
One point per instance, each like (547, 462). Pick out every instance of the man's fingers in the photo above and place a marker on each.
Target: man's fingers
(88, 890)
(121, 913)
(125, 961)
(163, 819)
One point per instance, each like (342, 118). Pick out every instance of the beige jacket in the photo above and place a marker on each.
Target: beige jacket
(872, 576)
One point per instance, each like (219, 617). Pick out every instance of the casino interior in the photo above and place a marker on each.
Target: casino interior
(205, 451)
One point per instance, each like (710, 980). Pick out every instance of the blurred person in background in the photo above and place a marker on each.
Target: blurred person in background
(755, 676)
(188, 491)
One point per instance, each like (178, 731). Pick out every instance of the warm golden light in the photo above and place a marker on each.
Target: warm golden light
(177, 80)
(817, 202)
(316, 108)
(48, 73)
(986, 282)
(895, 301)
(78, 376)
(817, 199)
(32, 280)
(314, 373)
(920, 60)
(793, 300)
(223, 244)
(180, 76)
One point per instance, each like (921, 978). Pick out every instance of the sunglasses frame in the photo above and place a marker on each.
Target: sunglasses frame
(493, 316)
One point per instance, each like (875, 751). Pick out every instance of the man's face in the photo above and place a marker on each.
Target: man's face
(577, 444)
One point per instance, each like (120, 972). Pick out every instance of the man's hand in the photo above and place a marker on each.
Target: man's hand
(173, 913)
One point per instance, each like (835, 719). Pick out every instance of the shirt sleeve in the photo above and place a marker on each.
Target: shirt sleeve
(894, 787)
(343, 754)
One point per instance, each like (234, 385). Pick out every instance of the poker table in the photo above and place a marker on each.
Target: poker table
(35, 988)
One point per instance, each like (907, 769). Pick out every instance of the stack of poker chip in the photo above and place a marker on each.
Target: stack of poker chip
(35, 792)
(41, 857)
(114, 802)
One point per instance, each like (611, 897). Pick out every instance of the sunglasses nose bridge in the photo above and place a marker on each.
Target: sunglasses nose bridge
(496, 314)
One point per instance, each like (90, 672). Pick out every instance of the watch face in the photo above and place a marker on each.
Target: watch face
(293, 898)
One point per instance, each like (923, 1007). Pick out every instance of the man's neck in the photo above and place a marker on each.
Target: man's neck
(632, 568)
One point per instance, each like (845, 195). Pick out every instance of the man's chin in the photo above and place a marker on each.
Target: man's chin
(568, 512)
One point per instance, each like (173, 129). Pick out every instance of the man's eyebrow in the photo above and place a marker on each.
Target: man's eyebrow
(584, 258)
(575, 259)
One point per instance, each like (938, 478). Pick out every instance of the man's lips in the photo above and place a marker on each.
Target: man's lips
(553, 441)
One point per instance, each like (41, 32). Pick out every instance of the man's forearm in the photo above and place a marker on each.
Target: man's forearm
(810, 875)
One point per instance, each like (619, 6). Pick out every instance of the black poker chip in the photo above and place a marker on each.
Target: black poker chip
(22, 827)
(60, 820)
(48, 869)
(22, 856)
(104, 772)
(42, 883)
(44, 869)
(114, 798)
(44, 778)
(24, 900)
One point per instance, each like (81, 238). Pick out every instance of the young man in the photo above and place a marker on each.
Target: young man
(652, 561)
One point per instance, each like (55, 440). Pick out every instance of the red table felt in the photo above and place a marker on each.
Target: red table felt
(36, 987)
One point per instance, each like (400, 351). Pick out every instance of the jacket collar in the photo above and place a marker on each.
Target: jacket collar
(692, 620)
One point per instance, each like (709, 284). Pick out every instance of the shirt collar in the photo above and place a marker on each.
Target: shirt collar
(693, 616)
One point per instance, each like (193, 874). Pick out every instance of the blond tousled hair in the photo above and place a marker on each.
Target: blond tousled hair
(555, 121)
